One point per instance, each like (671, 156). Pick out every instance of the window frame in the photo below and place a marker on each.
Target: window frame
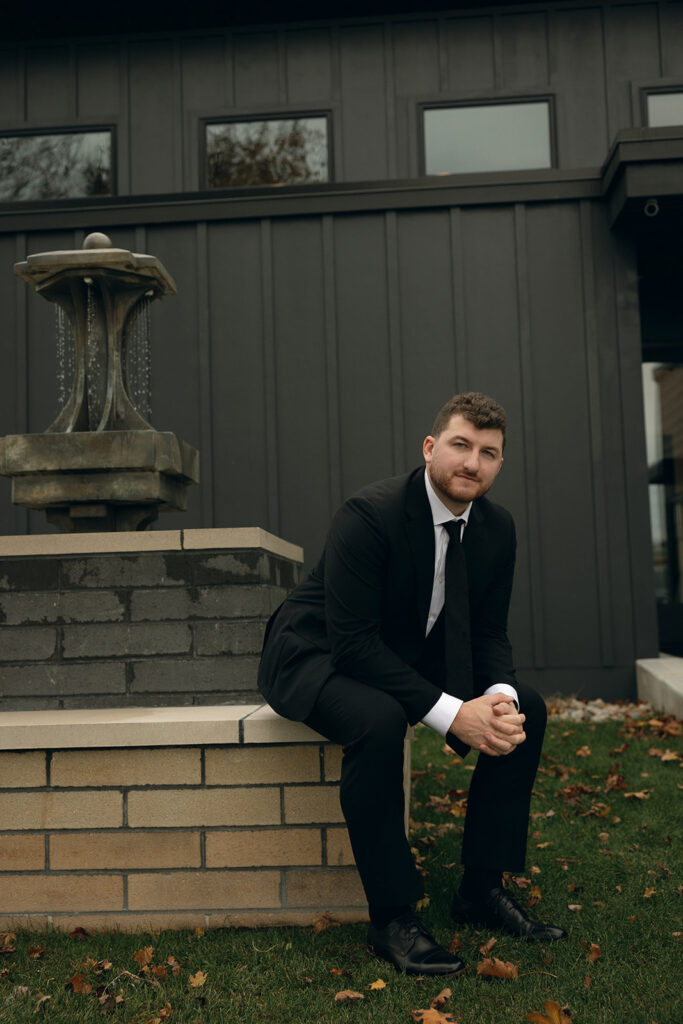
(662, 87)
(268, 115)
(487, 101)
(72, 129)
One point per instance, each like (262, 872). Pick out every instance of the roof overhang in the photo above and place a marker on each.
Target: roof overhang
(642, 178)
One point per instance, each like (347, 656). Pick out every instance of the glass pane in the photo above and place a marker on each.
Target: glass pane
(488, 137)
(664, 108)
(66, 165)
(275, 152)
(663, 396)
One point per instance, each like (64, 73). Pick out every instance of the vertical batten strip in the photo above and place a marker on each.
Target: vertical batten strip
(591, 343)
(331, 363)
(207, 476)
(122, 148)
(390, 99)
(458, 298)
(269, 376)
(394, 331)
(529, 433)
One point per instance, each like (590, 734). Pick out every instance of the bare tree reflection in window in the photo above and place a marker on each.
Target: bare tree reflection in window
(64, 165)
(267, 152)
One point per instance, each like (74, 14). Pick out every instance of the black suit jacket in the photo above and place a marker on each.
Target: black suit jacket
(363, 610)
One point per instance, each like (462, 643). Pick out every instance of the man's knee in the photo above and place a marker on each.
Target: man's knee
(533, 707)
(386, 723)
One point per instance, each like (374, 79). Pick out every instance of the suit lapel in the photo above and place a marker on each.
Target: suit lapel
(420, 529)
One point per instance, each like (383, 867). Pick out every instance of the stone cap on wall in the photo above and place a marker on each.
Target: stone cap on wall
(154, 540)
(149, 727)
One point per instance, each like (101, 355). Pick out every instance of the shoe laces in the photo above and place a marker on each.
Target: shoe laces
(414, 926)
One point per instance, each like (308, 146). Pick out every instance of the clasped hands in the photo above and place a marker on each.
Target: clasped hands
(490, 724)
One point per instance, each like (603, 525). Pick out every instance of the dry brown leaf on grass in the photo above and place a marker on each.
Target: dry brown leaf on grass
(649, 892)
(534, 895)
(432, 1016)
(78, 985)
(79, 933)
(494, 968)
(35, 952)
(174, 965)
(574, 906)
(584, 751)
(455, 943)
(594, 952)
(642, 794)
(198, 979)
(377, 984)
(487, 946)
(553, 1013)
(439, 1001)
(323, 922)
(40, 1005)
(144, 956)
(7, 940)
(347, 995)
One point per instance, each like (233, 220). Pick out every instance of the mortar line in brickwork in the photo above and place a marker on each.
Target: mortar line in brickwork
(283, 888)
(282, 805)
(202, 849)
(323, 851)
(202, 766)
(48, 768)
(124, 803)
(321, 757)
(47, 851)
(124, 879)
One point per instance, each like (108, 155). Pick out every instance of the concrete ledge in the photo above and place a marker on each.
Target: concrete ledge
(150, 727)
(154, 540)
(660, 682)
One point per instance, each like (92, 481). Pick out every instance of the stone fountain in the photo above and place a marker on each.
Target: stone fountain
(100, 465)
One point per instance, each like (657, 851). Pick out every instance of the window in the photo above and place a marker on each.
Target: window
(55, 165)
(276, 151)
(487, 137)
(664, 109)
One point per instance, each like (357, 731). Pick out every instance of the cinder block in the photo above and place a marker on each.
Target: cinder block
(76, 809)
(228, 637)
(31, 922)
(60, 606)
(124, 849)
(304, 804)
(339, 852)
(231, 602)
(29, 573)
(118, 639)
(244, 566)
(263, 847)
(27, 643)
(324, 887)
(144, 569)
(56, 680)
(22, 769)
(229, 766)
(333, 757)
(22, 853)
(161, 603)
(207, 890)
(163, 766)
(48, 893)
(177, 808)
(192, 675)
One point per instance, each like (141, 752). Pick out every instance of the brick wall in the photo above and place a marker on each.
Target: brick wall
(170, 833)
(178, 623)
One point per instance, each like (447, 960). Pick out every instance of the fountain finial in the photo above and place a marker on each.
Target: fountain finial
(97, 240)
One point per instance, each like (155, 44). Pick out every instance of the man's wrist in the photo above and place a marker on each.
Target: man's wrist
(504, 688)
(440, 716)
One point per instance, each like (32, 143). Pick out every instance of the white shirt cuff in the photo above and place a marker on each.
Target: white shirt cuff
(504, 688)
(440, 717)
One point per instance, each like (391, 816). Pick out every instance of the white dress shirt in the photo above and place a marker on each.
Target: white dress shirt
(441, 715)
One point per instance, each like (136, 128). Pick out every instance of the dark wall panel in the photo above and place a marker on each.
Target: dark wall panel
(241, 441)
(154, 123)
(562, 419)
(415, 58)
(364, 356)
(11, 86)
(578, 76)
(301, 433)
(50, 92)
(309, 65)
(364, 104)
(632, 55)
(257, 69)
(523, 47)
(98, 67)
(469, 47)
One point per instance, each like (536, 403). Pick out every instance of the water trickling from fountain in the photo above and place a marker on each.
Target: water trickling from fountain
(91, 359)
(138, 357)
(65, 356)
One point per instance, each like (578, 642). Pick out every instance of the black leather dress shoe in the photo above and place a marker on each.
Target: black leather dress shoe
(406, 943)
(500, 910)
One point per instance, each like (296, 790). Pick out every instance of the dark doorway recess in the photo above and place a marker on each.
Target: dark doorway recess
(660, 263)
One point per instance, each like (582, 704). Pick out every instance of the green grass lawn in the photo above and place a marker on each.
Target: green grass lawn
(611, 856)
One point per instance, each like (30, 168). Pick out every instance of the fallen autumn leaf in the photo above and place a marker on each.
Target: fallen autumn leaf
(495, 968)
(347, 995)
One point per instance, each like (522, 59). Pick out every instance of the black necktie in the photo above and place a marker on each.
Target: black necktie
(457, 616)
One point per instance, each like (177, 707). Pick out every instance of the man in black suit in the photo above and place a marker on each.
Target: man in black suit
(404, 620)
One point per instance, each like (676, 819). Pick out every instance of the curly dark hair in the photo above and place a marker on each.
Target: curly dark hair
(481, 410)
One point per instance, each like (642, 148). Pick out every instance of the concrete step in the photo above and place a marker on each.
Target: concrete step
(660, 681)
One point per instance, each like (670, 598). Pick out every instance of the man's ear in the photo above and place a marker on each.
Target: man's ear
(428, 448)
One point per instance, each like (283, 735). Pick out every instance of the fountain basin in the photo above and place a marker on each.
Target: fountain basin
(109, 480)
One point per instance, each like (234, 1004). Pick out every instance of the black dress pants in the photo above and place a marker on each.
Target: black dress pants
(370, 725)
